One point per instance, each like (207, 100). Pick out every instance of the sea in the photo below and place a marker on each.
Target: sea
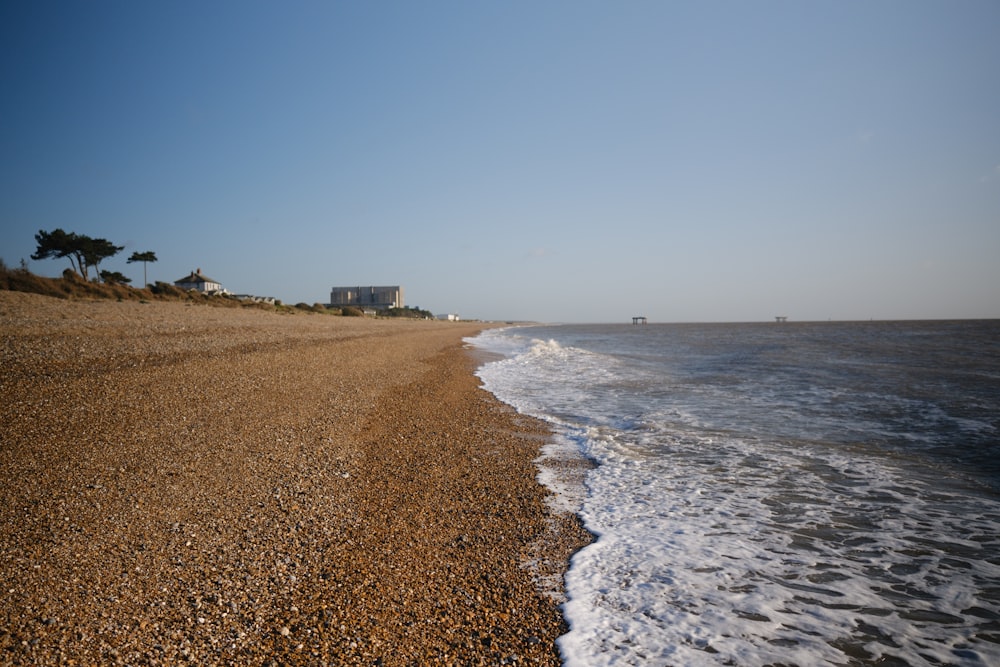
(773, 493)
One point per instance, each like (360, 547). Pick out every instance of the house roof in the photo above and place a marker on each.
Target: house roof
(195, 276)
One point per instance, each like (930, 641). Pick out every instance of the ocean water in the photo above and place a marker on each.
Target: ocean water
(773, 494)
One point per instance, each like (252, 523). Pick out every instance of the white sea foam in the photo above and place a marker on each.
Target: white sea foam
(719, 546)
(753, 560)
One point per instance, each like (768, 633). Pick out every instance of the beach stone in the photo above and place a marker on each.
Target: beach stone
(184, 465)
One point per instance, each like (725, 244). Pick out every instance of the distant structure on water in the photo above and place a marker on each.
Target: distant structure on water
(639, 320)
(368, 296)
(780, 318)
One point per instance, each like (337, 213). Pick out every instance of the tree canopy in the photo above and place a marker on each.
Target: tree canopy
(115, 277)
(148, 256)
(144, 257)
(84, 252)
(57, 243)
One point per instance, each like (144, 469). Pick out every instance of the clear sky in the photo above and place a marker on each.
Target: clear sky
(555, 161)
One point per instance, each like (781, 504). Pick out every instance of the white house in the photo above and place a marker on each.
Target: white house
(200, 282)
(449, 317)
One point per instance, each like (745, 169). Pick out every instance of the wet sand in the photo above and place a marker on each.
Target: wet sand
(231, 486)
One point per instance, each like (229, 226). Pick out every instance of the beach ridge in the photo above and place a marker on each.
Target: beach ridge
(227, 486)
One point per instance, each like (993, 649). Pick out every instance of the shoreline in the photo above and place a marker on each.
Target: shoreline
(240, 487)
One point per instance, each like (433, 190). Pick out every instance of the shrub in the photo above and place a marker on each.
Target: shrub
(351, 311)
(73, 286)
(22, 280)
(259, 305)
(167, 289)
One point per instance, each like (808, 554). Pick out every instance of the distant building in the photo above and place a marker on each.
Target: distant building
(449, 317)
(367, 297)
(200, 282)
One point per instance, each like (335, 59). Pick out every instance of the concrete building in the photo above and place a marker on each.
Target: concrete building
(367, 297)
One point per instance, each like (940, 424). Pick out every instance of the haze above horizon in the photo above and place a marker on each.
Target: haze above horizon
(546, 161)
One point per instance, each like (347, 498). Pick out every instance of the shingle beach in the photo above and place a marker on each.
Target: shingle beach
(231, 486)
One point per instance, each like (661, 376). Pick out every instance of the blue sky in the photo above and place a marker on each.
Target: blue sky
(555, 161)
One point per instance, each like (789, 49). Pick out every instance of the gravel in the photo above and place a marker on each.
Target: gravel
(232, 486)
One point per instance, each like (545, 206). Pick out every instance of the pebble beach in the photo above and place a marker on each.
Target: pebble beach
(230, 486)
